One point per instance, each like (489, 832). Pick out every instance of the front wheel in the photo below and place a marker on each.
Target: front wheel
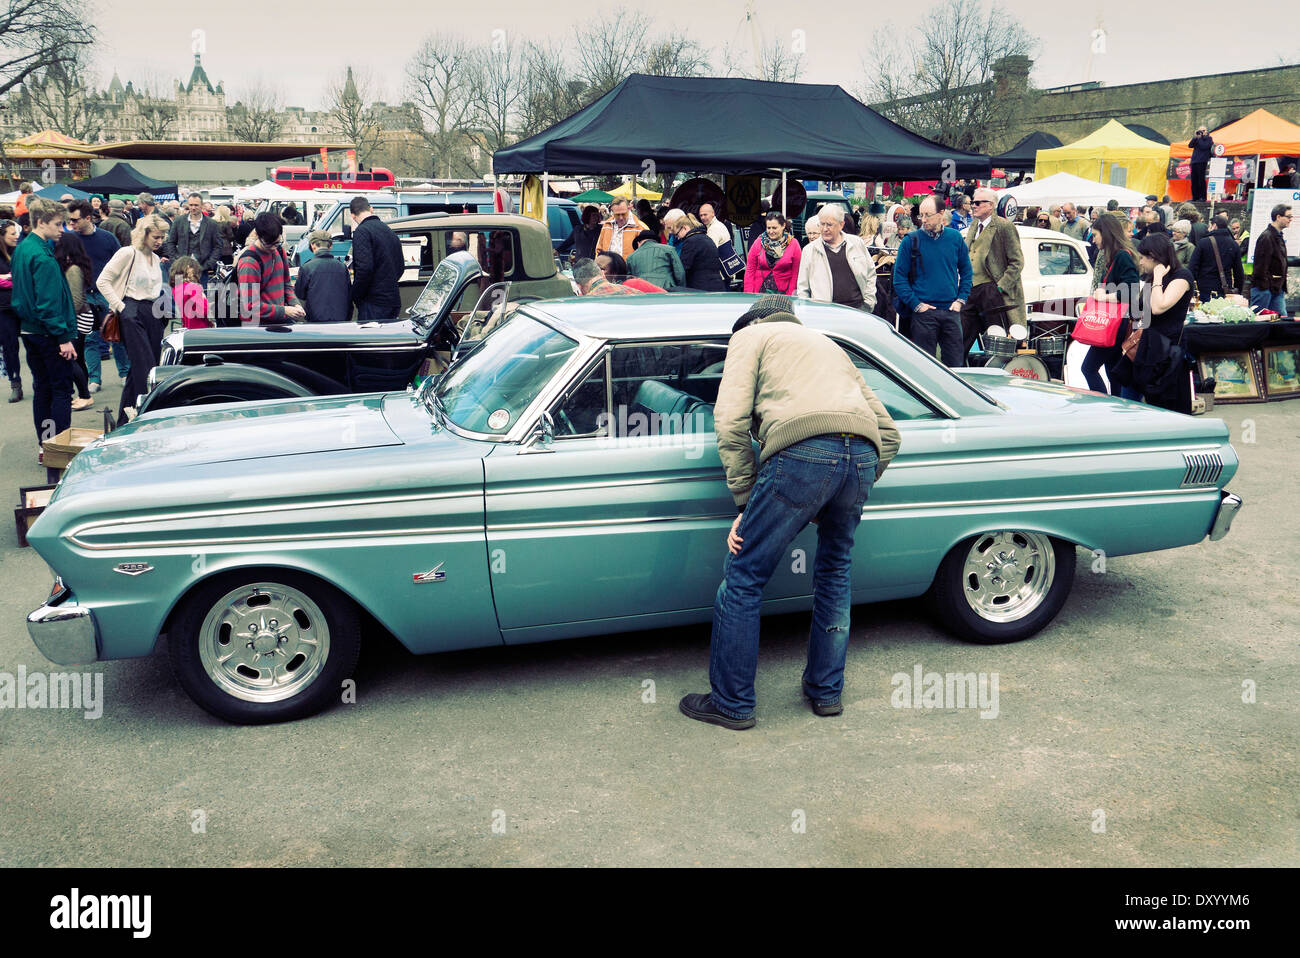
(1002, 586)
(268, 647)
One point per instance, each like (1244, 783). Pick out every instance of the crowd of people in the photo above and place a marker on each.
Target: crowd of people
(70, 267)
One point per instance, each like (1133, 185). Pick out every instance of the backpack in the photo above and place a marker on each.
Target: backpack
(226, 300)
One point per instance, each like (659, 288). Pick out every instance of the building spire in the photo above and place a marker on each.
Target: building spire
(350, 88)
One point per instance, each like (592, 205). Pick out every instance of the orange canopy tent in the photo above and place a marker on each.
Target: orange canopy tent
(1257, 134)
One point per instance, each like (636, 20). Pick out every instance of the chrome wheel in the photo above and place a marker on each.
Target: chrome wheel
(1008, 574)
(264, 642)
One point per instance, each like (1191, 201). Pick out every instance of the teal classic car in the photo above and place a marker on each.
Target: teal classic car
(562, 479)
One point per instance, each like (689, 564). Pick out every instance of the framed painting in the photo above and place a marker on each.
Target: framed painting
(1236, 377)
(1281, 371)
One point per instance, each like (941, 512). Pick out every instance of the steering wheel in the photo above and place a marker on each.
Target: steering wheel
(568, 423)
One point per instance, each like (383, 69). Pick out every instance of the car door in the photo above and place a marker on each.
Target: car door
(622, 521)
(1063, 275)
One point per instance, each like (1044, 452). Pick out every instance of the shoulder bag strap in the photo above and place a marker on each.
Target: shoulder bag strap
(1218, 260)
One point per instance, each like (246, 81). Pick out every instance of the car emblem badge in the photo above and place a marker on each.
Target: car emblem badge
(433, 575)
(133, 568)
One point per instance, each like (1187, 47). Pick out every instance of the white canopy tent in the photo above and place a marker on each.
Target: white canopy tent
(1063, 187)
(266, 190)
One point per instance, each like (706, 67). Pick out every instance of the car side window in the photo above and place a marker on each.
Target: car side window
(1059, 259)
(581, 412)
(899, 401)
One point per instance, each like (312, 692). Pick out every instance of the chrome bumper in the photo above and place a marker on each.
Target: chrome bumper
(1229, 506)
(63, 630)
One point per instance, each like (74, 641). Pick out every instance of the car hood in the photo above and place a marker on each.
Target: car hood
(173, 443)
(297, 336)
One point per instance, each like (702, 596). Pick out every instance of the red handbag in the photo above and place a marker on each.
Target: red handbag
(1099, 323)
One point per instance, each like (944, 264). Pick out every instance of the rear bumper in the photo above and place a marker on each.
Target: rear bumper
(1229, 506)
(63, 630)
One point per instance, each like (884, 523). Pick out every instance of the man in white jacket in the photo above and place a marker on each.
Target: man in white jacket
(837, 268)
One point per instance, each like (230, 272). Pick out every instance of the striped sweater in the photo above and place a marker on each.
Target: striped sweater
(264, 288)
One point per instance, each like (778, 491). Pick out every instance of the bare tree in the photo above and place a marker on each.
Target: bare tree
(609, 50)
(440, 82)
(59, 99)
(941, 82)
(158, 116)
(255, 117)
(674, 55)
(777, 60)
(349, 99)
(499, 85)
(551, 90)
(36, 35)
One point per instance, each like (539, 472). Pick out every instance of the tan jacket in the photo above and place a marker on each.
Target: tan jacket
(815, 280)
(997, 257)
(790, 383)
(606, 238)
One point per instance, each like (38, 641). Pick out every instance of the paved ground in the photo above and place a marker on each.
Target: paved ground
(1130, 704)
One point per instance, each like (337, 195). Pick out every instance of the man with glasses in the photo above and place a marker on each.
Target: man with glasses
(932, 277)
(100, 246)
(1268, 277)
(997, 294)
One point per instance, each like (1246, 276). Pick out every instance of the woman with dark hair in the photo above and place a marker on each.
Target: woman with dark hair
(10, 324)
(70, 254)
(1160, 367)
(582, 241)
(616, 270)
(773, 262)
(1115, 279)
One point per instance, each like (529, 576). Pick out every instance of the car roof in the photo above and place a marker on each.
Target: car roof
(692, 315)
(470, 221)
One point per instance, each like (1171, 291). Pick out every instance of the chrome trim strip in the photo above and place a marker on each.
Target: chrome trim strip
(1127, 450)
(630, 520)
(712, 476)
(274, 507)
(245, 540)
(1035, 500)
(341, 349)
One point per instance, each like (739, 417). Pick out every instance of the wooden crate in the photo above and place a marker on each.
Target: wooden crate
(32, 501)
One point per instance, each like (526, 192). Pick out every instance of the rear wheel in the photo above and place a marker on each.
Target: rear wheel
(264, 647)
(1002, 586)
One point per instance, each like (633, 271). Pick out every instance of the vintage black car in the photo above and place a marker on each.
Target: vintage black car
(247, 363)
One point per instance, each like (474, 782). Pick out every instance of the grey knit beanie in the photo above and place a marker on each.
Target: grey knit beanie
(767, 305)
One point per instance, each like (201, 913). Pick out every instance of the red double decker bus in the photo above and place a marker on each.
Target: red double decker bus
(304, 178)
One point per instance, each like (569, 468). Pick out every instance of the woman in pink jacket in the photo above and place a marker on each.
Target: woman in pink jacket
(773, 264)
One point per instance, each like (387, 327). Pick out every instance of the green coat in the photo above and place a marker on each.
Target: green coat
(41, 296)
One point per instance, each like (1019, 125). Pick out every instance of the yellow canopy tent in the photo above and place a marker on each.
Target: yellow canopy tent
(642, 192)
(1112, 149)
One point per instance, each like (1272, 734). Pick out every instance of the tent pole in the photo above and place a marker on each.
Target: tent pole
(783, 193)
(546, 183)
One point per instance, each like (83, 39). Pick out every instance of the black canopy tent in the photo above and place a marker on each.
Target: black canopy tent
(1022, 156)
(125, 180)
(1147, 133)
(735, 127)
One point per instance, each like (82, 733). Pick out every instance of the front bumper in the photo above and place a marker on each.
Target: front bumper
(63, 630)
(1229, 506)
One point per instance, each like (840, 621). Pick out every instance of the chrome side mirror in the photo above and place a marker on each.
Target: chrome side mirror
(541, 436)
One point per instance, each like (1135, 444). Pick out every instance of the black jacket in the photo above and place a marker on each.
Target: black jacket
(324, 289)
(376, 267)
(1269, 269)
(1205, 268)
(204, 246)
(1201, 147)
(699, 257)
(581, 242)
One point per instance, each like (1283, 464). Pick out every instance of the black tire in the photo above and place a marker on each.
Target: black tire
(948, 601)
(318, 612)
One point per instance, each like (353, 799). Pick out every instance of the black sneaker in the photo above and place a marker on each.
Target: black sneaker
(699, 706)
(825, 708)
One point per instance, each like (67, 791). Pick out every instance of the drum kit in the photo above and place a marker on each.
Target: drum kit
(1015, 351)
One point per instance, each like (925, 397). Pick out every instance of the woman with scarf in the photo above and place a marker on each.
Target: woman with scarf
(773, 264)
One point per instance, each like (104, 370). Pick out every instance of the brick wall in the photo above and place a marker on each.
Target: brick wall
(1174, 108)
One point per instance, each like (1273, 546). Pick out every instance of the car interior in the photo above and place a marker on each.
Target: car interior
(670, 388)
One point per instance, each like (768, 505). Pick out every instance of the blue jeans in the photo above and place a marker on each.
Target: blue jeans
(1264, 299)
(94, 358)
(827, 479)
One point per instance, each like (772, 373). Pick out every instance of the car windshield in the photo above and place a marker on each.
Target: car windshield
(441, 285)
(489, 389)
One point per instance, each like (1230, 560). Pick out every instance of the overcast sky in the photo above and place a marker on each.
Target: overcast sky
(297, 46)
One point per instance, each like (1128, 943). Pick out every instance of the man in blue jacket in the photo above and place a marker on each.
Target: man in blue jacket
(43, 302)
(932, 278)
